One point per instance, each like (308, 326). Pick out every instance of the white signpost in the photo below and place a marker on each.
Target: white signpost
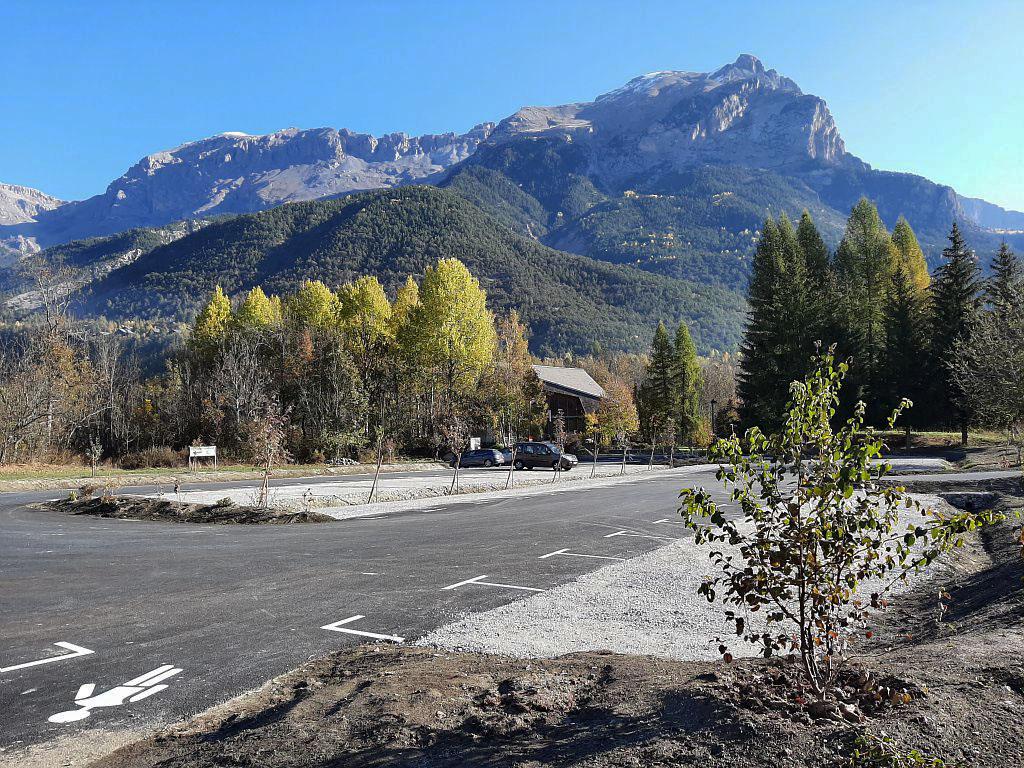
(196, 452)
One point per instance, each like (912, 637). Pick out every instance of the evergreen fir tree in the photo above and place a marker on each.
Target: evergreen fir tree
(907, 331)
(798, 310)
(816, 254)
(820, 295)
(956, 298)
(658, 395)
(760, 385)
(689, 384)
(1006, 286)
(866, 260)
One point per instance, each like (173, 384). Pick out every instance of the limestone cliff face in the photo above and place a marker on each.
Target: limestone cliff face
(741, 114)
(235, 173)
(239, 173)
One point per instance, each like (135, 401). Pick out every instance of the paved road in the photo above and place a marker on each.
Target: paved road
(232, 606)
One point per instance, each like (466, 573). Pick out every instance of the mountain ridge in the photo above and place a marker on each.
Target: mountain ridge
(235, 172)
(673, 172)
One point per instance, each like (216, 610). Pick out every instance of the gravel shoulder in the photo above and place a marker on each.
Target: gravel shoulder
(646, 605)
(61, 479)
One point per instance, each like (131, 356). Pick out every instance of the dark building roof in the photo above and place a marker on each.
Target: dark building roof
(572, 380)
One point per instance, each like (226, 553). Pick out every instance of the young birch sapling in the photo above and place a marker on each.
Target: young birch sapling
(815, 524)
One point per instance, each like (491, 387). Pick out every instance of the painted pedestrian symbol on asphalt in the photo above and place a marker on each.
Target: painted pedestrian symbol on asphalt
(134, 690)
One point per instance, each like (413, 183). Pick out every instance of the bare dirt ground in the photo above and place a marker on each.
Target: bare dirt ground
(405, 706)
(131, 508)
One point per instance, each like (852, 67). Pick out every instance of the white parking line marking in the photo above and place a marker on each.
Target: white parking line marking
(477, 580)
(76, 650)
(663, 520)
(567, 553)
(638, 535)
(337, 627)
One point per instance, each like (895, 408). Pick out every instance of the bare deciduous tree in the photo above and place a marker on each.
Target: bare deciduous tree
(266, 442)
(455, 433)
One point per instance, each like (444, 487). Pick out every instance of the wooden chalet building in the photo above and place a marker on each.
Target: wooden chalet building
(571, 391)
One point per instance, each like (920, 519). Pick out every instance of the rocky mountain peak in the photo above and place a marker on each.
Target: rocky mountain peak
(21, 204)
(742, 114)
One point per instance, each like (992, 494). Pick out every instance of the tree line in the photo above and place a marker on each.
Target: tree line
(931, 338)
(337, 371)
(352, 369)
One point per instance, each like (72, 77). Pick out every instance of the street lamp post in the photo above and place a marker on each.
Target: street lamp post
(713, 411)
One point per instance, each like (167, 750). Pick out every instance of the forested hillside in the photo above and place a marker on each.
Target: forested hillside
(698, 223)
(569, 302)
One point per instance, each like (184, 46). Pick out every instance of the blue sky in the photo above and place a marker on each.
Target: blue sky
(90, 87)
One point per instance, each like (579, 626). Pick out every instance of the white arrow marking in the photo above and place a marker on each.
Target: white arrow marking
(567, 553)
(337, 627)
(76, 650)
(477, 580)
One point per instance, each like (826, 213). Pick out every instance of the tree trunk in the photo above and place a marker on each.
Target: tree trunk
(622, 469)
(963, 434)
(376, 473)
(265, 484)
(597, 450)
(510, 481)
(455, 478)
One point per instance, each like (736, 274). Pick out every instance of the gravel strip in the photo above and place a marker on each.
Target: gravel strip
(647, 605)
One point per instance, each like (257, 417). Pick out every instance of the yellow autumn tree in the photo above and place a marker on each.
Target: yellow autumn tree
(257, 311)
(212, 321)
(365, 317)
(406, 299)
(313, 305)
(452, 330)
(909, 256)
(616, 414)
